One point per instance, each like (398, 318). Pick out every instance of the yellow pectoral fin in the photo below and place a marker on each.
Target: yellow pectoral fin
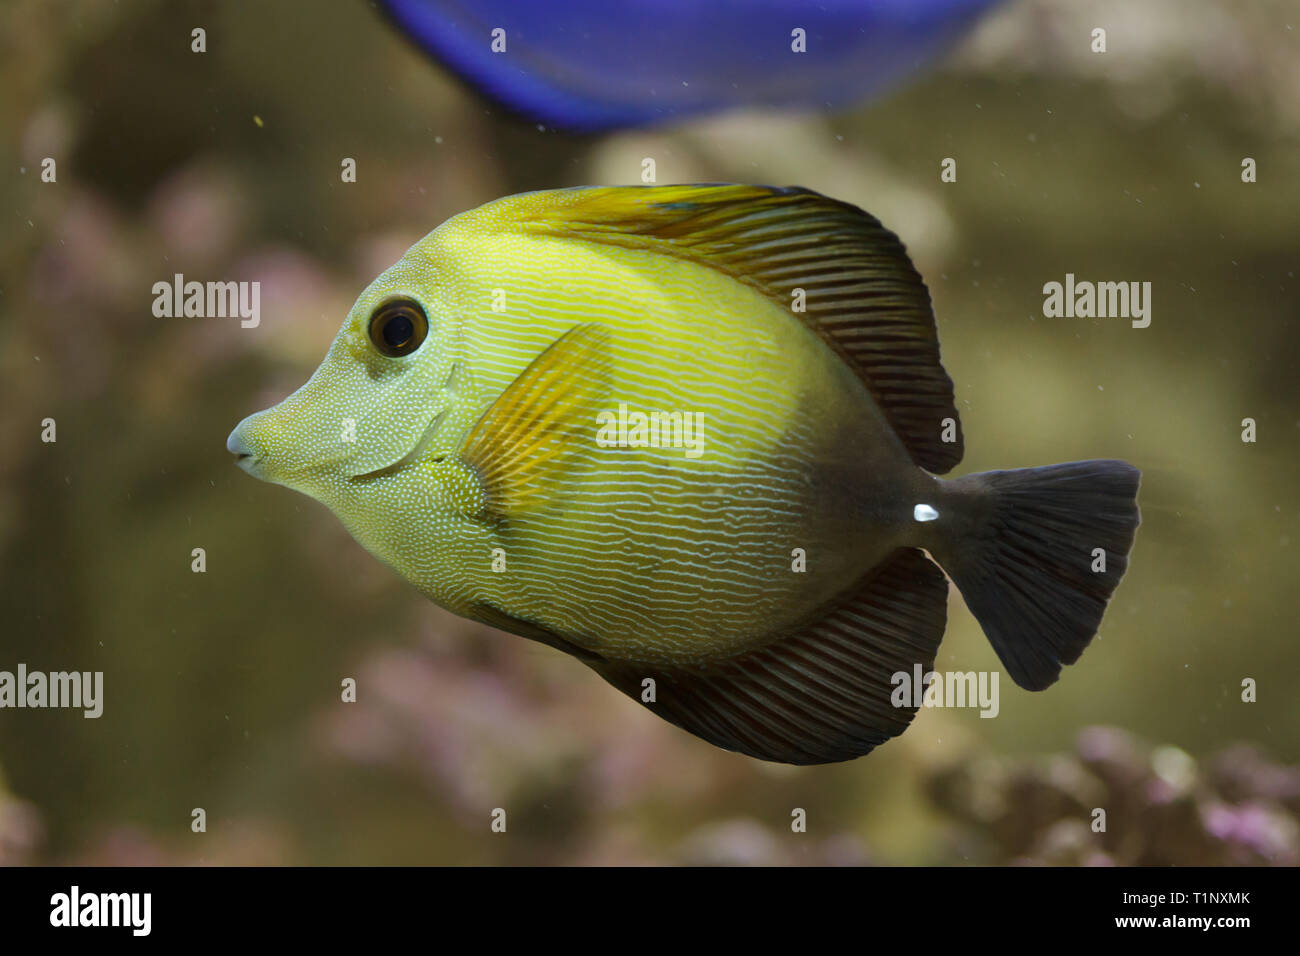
(517, 448)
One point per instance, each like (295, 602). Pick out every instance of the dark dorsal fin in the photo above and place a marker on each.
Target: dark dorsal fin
(863, 296)
(817, 696)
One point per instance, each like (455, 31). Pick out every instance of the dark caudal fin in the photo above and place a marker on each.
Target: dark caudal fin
(1037, 553)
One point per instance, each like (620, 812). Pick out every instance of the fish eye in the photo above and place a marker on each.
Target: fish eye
(398, 327)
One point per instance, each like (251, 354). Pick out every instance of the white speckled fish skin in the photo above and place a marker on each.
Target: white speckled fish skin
(648, 554)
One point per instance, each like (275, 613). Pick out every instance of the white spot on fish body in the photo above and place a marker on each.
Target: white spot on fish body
(924, 513)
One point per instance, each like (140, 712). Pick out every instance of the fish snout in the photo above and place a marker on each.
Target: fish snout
(286, 444)
(247, 455)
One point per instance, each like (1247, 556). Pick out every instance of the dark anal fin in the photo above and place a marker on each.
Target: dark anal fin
(818, 696)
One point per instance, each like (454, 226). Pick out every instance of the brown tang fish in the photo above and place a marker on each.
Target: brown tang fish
(688, 434)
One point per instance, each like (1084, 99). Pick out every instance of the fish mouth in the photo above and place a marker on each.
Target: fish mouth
(248, 463)
(245, 457)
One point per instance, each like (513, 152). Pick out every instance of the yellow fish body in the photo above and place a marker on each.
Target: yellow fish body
(688, 435)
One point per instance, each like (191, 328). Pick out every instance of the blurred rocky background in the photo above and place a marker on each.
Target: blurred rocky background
(222, 689)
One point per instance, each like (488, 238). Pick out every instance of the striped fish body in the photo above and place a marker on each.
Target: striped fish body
(651, 553)
(689, 435)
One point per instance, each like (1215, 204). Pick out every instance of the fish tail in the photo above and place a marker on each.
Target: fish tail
(1037, 553)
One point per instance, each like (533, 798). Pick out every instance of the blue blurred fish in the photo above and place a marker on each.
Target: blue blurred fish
(592, 65)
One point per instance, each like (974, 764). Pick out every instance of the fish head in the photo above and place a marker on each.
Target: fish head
(375, 405)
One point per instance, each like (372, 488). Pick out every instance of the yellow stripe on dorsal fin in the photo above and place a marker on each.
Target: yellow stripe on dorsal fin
(516, 447)
(862, 294)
